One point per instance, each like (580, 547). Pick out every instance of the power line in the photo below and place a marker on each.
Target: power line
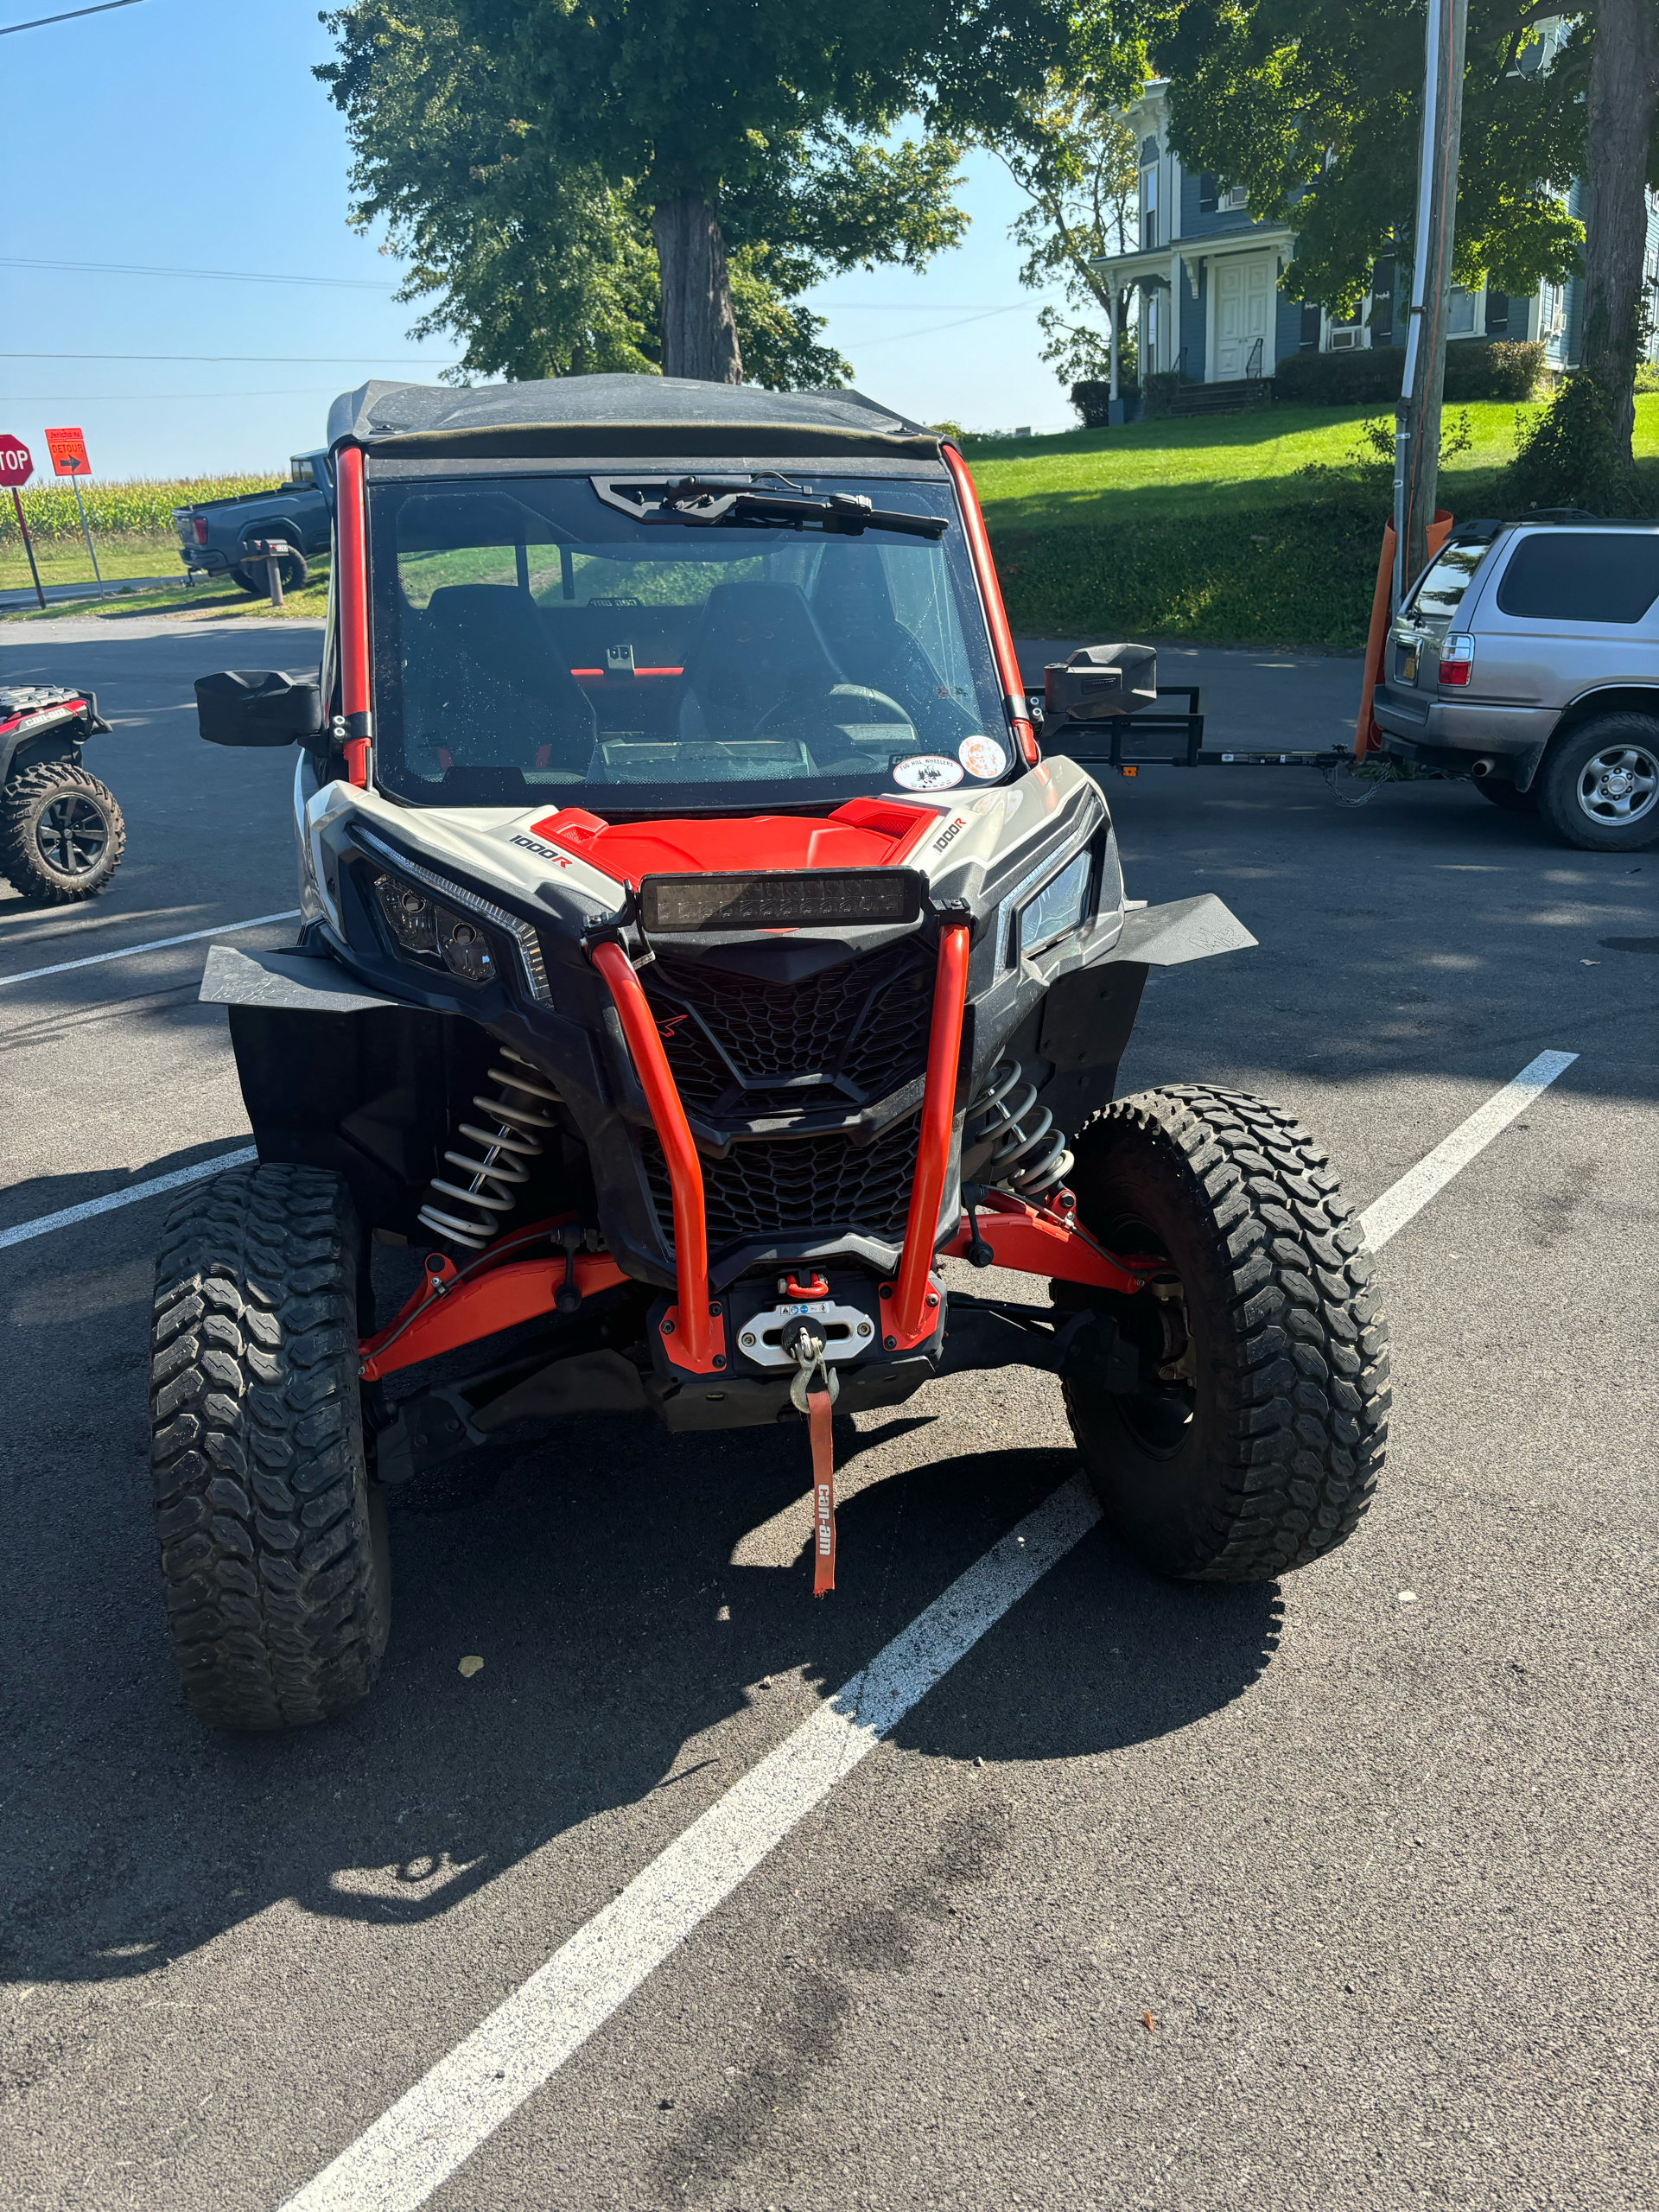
(224, 275)
(103, 9)
(263, 361)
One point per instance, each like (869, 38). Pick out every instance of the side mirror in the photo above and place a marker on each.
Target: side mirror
(259, 706)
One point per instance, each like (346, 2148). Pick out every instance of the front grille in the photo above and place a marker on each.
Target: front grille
(798, 1186)
(845, 1037)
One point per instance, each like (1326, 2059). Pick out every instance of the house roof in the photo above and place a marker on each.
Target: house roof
(620, 413)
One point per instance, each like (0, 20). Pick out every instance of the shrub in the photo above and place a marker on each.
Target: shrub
(1499, 369)
(1568, 457)
(1092, 398)
(1160, 391)
(1505, 369)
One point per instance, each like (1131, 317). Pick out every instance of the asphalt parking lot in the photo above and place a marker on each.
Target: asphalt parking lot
(1334, 1892)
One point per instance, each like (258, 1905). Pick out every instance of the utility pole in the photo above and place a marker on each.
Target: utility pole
(1417, 417)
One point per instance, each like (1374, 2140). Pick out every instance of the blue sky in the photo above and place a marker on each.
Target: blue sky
(190, 135)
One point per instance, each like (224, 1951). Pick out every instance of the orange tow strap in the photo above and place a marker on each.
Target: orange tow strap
(824, 1492)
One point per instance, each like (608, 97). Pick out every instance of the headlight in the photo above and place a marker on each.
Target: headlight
(1058, 907)
(442, 921)
(425, 925)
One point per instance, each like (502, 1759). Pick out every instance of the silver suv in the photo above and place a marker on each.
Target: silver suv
(1526, 657)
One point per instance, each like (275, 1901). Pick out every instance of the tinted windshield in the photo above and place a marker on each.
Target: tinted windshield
(1440, 590)
(533, 641)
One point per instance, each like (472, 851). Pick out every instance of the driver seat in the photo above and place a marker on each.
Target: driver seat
(759, 647)
(495, 691)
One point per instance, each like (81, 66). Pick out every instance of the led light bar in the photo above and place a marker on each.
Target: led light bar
(781, 900)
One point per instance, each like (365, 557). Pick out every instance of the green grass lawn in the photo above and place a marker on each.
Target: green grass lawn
(63, 560)
(1208, 529)
(200, 603)
(1226, 463)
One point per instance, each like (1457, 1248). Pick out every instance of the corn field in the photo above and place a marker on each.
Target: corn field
(141, 507)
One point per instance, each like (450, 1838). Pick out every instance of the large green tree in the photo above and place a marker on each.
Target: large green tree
(542, 267)
(1315, 106)
(732, 128)
(1076, 164)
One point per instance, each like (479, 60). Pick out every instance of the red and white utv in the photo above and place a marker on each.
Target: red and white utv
(699, 952)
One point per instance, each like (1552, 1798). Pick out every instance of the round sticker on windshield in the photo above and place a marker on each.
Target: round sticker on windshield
(982, 757)
(926, 771)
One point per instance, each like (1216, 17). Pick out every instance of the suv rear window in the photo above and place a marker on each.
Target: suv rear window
(1444, 581)
(1582, 575)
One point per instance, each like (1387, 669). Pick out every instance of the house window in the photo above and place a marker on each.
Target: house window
(1348, 336)
(1550, 309)
(1148, 208)
(1237, 196)
(1149, 328)
(1460, 313)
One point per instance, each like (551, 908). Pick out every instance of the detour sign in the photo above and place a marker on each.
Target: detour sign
(17, 462)
(68, 452)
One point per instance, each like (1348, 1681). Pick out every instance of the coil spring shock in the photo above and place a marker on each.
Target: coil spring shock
(1029, 1153)
(507, 1147)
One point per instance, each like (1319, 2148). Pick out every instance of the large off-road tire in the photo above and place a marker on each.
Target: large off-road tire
(1599, 788)
(62, 833)
(273, 1542)
(1252, 1437)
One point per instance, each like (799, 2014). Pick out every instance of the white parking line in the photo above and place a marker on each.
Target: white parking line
(414, 2148)
(1413, 1191)
(131, 1196)
(450, 2111)
(155, 945)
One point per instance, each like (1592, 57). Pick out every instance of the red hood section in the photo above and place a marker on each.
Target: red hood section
(865, 833)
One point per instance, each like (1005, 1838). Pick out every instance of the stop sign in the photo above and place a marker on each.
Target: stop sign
(17, 462)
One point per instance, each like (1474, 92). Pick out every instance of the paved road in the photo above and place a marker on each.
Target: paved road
(1380, 1871)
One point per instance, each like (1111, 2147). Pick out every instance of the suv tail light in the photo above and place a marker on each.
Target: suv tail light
(1457, 659)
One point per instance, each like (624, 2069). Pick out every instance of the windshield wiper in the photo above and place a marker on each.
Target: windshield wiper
(708, 502)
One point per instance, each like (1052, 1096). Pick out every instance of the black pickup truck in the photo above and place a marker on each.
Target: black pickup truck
(214, 535)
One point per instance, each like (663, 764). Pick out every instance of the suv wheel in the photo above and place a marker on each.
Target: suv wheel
(1599, 788)
(1250, 1434)
(61, 833)
(273, 1542)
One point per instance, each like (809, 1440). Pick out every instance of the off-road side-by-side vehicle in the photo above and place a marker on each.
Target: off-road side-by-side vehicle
(698, 954)
(62, 833)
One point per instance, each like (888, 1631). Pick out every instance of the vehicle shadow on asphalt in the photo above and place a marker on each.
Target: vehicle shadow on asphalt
(593, 1574)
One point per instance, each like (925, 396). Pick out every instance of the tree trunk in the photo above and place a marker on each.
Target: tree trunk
(1624, 90)
(699, 331)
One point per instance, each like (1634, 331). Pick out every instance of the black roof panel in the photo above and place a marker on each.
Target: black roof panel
(633, 413)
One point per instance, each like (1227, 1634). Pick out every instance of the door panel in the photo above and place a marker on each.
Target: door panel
(1244, 285)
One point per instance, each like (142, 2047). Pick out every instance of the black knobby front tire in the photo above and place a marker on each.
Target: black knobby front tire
(62, 832)
(1252, 1440)
(273, 1541)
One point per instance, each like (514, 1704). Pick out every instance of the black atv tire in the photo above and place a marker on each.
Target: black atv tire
(1265, 1454)
(273, 1541)
(1503, 794)
(1574, 785)
(62, 832)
